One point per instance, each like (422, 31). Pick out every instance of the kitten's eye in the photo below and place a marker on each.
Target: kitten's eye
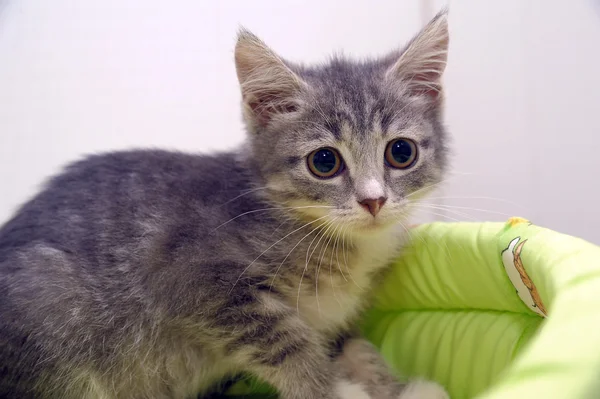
(401, 153)
(324, 162)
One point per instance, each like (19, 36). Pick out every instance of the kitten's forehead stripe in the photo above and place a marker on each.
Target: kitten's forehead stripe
(354, 94)
(380, 115)
(333, 126)
(347, 91)
(335, 119)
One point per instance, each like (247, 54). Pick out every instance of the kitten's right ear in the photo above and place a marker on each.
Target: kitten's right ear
(269, 87)
(423, 62)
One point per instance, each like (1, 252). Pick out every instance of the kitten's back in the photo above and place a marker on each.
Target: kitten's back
(81, 263)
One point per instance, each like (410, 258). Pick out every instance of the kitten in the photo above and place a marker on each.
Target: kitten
(153, 274)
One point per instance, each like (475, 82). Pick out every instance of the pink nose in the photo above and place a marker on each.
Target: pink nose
(373, 205)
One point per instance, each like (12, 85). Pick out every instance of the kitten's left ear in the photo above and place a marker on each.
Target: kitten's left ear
(422, 63)
(269, 87)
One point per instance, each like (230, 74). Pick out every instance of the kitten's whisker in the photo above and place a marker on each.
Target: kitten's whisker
(430, 186)
(479, 198)
(473, 209)
(449, 207)
(425, 188)
(292, 250)
(410, 235)
(446, 250)
(245, 193)
(439, 208)
(337, 233)
(337, 257)
(276, 242)
(405, 228)
(321, 234)
(446, 253)
(442, 215)
(269, 209)
(348, 268)
(426, 243)
(313, 240)
(344, 253)
(278, 227)
(324, 250)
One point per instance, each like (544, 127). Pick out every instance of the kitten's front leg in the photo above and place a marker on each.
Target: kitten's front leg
(273, 343)
(360, 363)
(296, 364)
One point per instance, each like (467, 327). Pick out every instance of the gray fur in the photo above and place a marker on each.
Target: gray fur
(154, 274)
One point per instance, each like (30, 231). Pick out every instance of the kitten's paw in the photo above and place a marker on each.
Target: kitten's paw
(424, 390)
(350, 390)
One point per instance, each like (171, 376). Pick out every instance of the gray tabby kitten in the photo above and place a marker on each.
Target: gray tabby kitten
(153, 274)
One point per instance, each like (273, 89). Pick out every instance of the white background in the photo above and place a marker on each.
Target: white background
(523, 87)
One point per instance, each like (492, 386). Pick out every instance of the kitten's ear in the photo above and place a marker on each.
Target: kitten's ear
(422, 63)
(269, 87)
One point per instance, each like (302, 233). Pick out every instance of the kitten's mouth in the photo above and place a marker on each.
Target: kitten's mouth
(371, 227)
(373, 224)
(377, 224)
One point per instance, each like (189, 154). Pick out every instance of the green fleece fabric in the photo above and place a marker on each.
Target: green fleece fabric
(492, 311)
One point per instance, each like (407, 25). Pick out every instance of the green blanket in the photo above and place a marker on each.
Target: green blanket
(493, 311)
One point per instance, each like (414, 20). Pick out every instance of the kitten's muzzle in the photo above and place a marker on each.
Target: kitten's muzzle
(373, 205)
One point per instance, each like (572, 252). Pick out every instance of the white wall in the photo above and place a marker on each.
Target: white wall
(85, 76)
(523, 103)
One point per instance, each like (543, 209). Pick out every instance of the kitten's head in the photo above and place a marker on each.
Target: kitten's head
(354, 142)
